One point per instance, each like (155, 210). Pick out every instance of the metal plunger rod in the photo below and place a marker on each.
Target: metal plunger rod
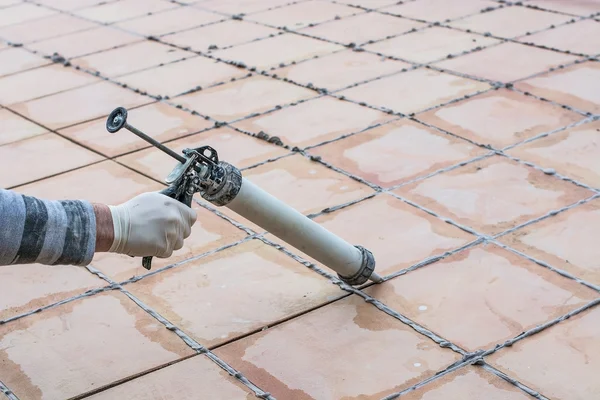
(153, 142)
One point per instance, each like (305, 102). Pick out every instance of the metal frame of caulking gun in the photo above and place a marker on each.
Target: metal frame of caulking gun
(200, 171)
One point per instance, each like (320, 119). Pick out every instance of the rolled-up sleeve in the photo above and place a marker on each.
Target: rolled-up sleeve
(44, 231)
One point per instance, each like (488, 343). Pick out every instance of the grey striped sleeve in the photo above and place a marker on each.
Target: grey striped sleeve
(45, 232)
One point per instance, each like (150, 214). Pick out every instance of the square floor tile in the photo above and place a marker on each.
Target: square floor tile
(306, 185)
(482, 296)
(27, 287)
(500, 118)
(380, 223)
(179, 77)
(68, 5)
(208, 233)
(577, 86)
(85, 42)
(197, 296)
(22, 13)
(566, 241)
(315, 121)
(181, 381)
(290, 358)
(235, 7)
(174, 20)
(44, 28)
(506, 62)
(581, 37)
(362, 28)
(79, 105)
(48, 80)
(106, 183)
(464, 384)
(301, 14)
(125, 9)
(273, 52)
(371, 4)
(223, 34)
(41, 355)
(396, 152)
(573, 152)
(509, 22)
(561, 361)
(570, 7)
(233, 147)
(131, 58)
(430, 45)
(158, 120)
(340, 69)
(14, 60)
(14, 128)
(243, 98)
(38, 157)
(413, 91)
(493, 195)
(439, 10)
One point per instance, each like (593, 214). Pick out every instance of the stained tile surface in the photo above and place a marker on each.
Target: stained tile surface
(581, 37)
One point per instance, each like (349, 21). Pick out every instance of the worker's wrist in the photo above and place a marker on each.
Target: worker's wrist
(105, 232)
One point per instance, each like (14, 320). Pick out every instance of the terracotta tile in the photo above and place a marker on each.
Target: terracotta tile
(572, 153)
(14, 128)
(510, 22)
(181, 381)
(560, 361)
(314, 121)
(223, 34)
(204, 308)
(244, 97)
(427, 89)
(565, 241)
(22, 13)
(40, 356)
(14, 60)
(169, 21)
(506, 62)
(306, 185)
(161, 121)
(85, 42)
(106, 182)
(179, 77)
(44, 28)
(274, 51)
(6, 3)
(291, 357)
(396, 152)
(580, 37)
(38, 157)
(500, 118)
(131, 58)
(577, 86)
(79, 105)
(582, 7)
(482, 296)
(439, 10)
(340, 69)
(125, 9)
(233, 147)
(241, 6)
(369, 3)
(464, 384)
(27, 287)
(302, 14)
(208, 233)
(374, 224)
(48, 80)
(430, 44)
(362, 28)
(69, 5)
(493, 195)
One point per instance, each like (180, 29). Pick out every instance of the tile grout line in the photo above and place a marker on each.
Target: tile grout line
(7, 392)
(533, 393)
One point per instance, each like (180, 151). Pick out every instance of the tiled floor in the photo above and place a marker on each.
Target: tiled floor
(457, 140)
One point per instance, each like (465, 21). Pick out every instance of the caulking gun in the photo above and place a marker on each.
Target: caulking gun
(200, 171)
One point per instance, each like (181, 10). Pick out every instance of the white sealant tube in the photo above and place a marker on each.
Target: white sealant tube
(298, 230)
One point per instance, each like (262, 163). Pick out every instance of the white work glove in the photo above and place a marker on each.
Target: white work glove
(151, 224)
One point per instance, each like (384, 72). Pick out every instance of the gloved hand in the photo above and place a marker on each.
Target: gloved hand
(151, 224)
